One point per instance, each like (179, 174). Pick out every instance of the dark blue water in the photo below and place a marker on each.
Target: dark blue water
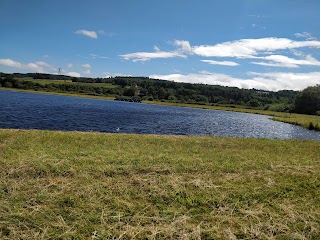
(41, 111)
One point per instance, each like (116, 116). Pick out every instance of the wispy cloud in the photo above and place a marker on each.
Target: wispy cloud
(94, 56)
(305, 35)
(87, 69)
(87, 65)
(39, 67)
(224, 63)
(147, 56)
(108, 34)
(87, 33)
(284, 61)
(273, 81)
(87, 72)
(184, 46)
(243, 48)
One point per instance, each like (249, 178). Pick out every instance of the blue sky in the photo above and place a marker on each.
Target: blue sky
(264, 44)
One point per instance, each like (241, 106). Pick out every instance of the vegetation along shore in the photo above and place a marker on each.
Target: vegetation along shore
(74, 185)
(299, 108)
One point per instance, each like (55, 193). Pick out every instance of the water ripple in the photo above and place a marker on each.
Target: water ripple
(41, 111)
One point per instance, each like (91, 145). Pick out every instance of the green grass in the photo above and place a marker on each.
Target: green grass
(45, 81)
(48, 81)
(73, 185)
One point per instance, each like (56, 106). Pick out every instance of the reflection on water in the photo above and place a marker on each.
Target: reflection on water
(41, 111)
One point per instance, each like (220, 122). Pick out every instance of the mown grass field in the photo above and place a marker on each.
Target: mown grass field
(48, 81)
(73, 185)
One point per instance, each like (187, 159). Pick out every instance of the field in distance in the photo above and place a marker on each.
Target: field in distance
(48, 81)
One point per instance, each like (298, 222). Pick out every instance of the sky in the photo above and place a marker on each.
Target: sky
(263, 44)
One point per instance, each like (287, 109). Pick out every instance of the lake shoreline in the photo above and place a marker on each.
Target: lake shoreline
(292, 118)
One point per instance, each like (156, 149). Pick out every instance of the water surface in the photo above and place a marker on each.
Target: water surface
(24, 110)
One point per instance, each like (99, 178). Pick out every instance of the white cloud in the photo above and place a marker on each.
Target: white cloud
(70, 65)
(39, 67)
(275, 64)
(43, 64)
(250, 48)
(284, 61)
(91, 34)
(86, 65)
(224, 63)
(73, 74)
(287, 80)
(243, 48)
(156, 49)
(267, 81)
(94, 56)
(297, 53)
(305, 35)
(183, 48)
(183, 45)
(146, 56)
(10, 63)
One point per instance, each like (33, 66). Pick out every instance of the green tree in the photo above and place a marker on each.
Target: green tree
(308, 101)
(7, 84)
(130, 92)
(254, 103)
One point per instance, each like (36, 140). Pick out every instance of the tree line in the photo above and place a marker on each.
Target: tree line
(144, 88)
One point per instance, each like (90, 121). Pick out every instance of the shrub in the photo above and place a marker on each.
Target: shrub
(7, 84)
(311, 126)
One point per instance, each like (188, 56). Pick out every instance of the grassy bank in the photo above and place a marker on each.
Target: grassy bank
(58, 185)
(47, 81)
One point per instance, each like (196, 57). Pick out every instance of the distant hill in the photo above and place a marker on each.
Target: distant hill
(144, 88)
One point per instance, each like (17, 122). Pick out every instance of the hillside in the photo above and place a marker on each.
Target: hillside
(143, 88)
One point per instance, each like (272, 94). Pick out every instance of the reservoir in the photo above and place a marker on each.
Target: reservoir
(22, 110)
